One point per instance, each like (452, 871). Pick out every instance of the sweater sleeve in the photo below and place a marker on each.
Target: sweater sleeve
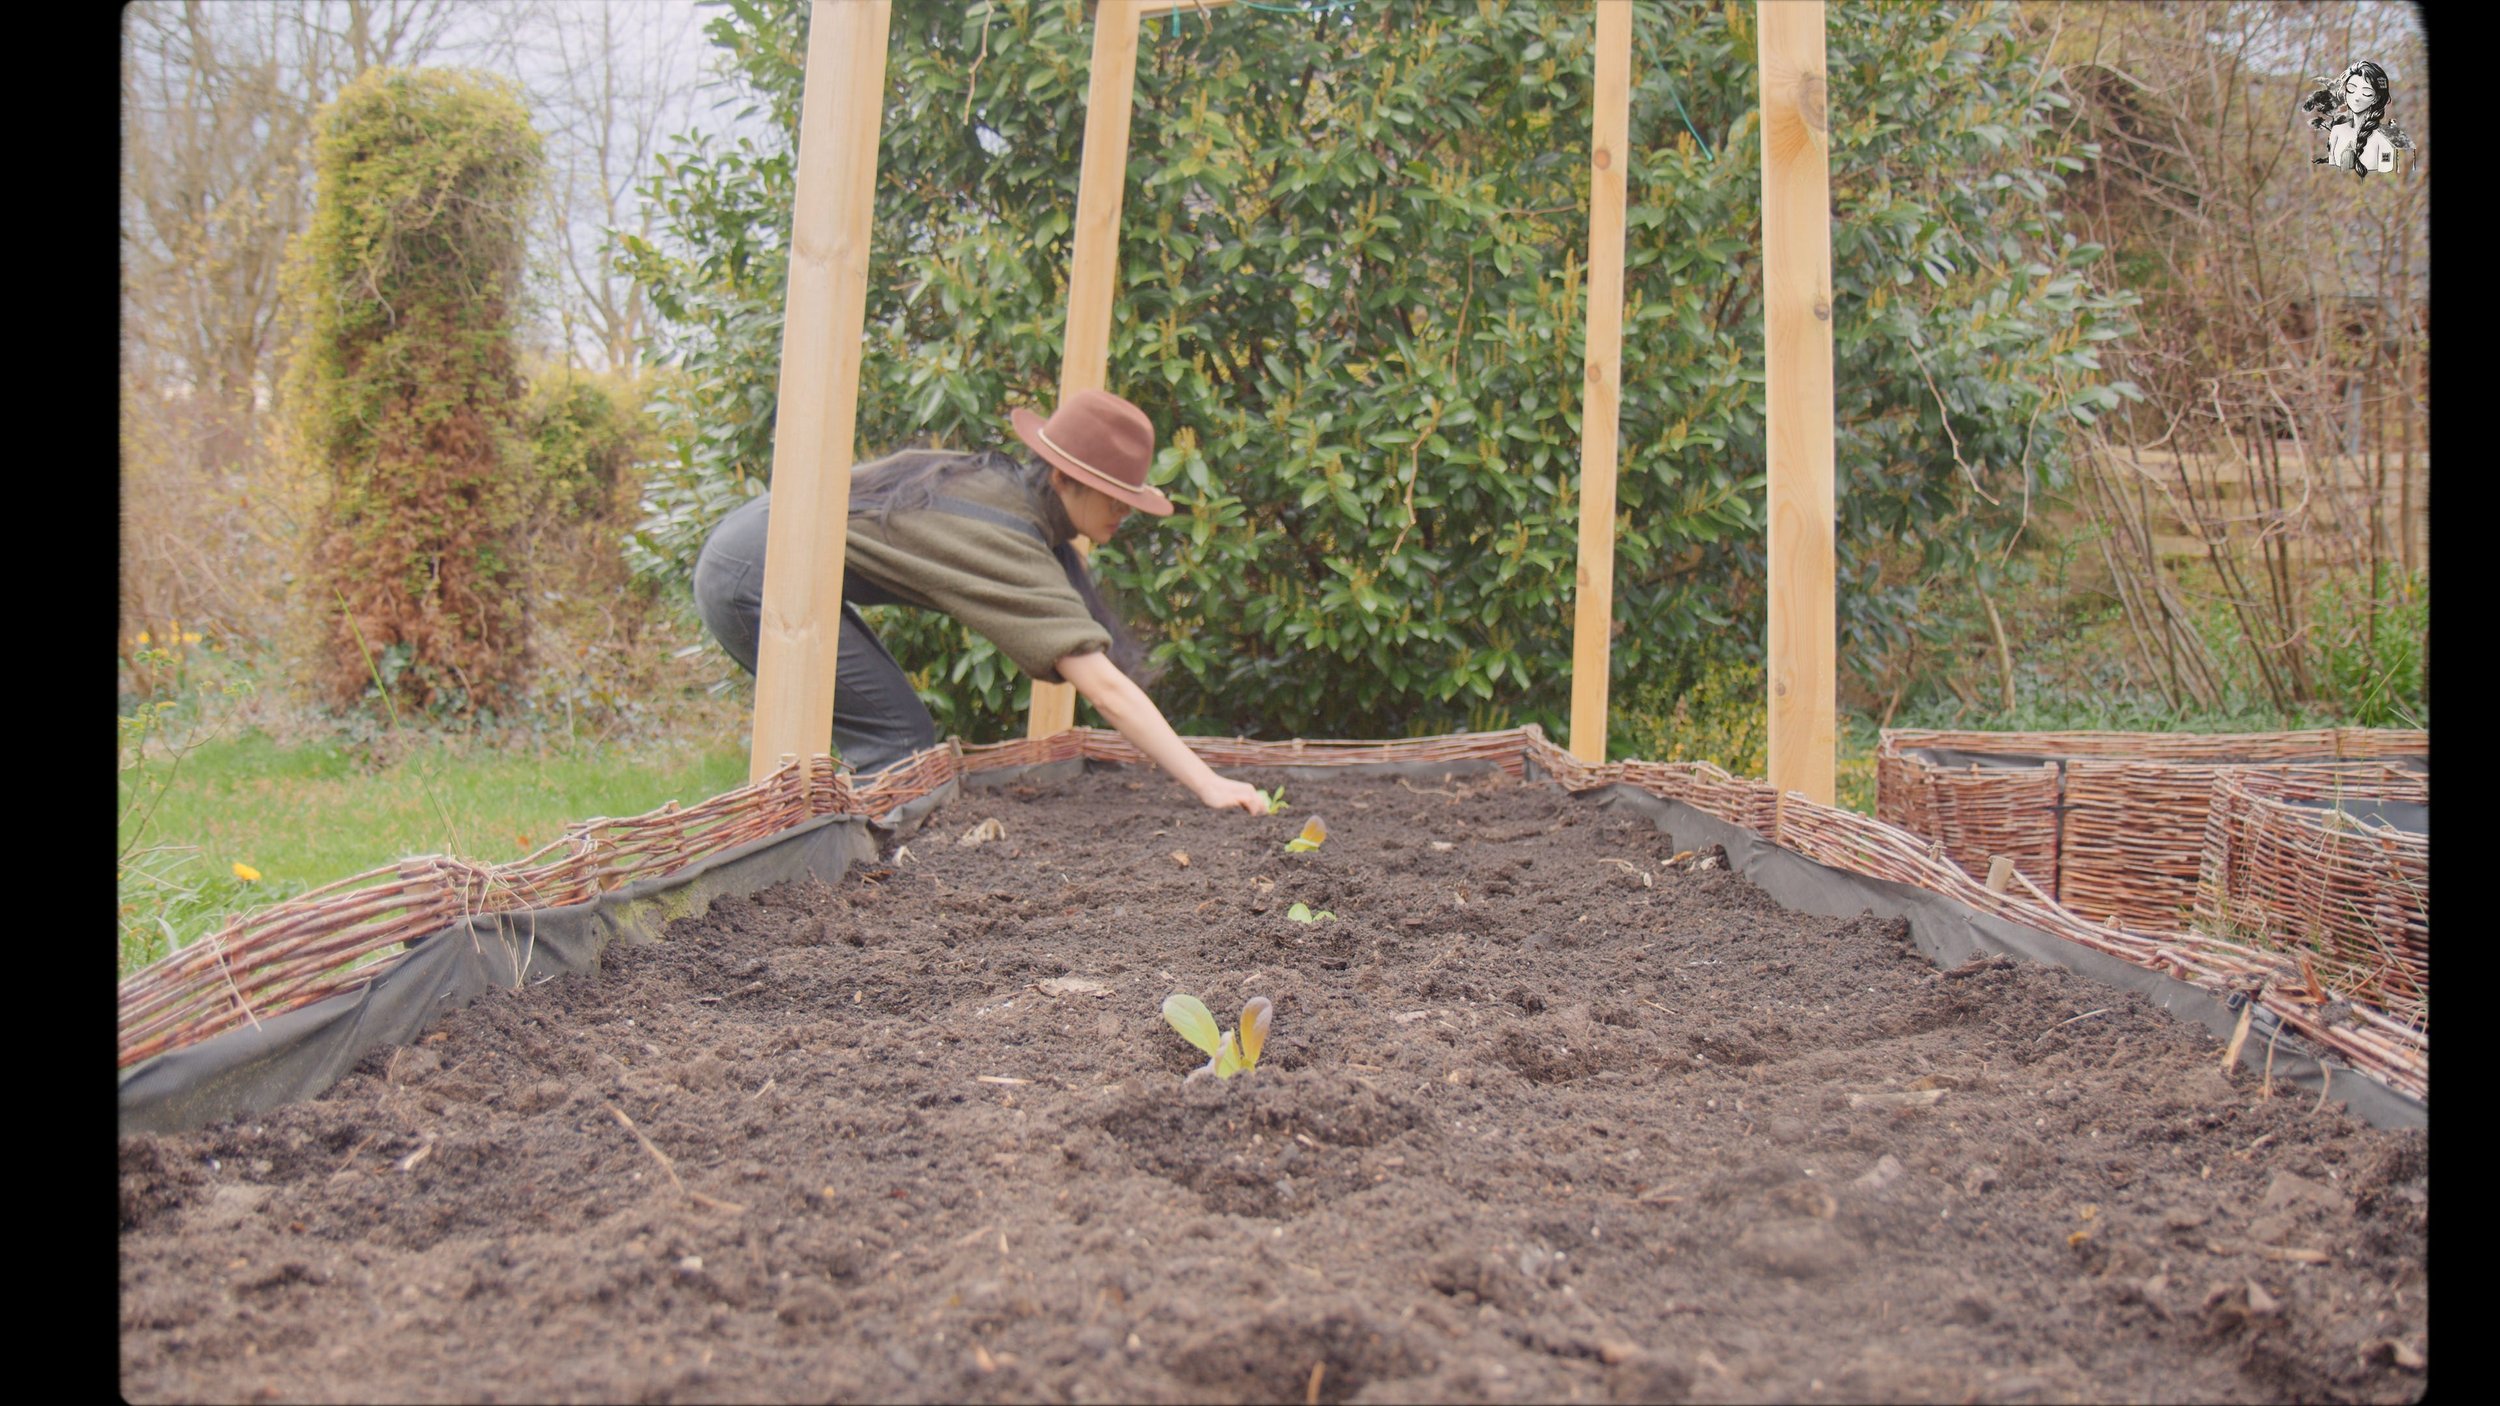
(1003, 585)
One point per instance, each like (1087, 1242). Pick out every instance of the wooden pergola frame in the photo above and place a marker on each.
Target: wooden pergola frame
(841, 112)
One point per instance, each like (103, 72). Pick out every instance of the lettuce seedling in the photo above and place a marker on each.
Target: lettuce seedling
(1314, 834)
(1301, 913)
(1275, 801)
(1232, 1052)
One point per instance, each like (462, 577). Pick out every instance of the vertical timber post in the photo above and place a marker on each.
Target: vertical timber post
(841, 111)
(1093, 276)
(1797, 360)
(1601, 390)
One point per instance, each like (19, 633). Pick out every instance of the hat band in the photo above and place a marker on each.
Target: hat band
(1044, 432)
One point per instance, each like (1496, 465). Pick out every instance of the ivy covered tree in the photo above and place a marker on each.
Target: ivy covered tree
(1352, 299)
(404, 391)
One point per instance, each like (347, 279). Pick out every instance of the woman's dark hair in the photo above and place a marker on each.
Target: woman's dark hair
(2376, 112)
(912, 479)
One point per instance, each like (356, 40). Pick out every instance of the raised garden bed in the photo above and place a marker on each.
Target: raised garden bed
(1549, 1114)
(2112, 824)
(2345, 881)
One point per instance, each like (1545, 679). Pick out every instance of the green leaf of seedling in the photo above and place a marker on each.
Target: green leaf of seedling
(1255, 1018)
(1314, 833)
(1189, 1015)
(1301, 913)
(1275, 801)
(1227, 1058)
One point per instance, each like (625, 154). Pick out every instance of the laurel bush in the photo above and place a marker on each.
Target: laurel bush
(1352, 299)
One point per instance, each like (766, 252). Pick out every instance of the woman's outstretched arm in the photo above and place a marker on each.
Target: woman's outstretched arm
(1127, 708)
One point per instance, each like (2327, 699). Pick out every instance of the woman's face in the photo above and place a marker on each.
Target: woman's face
(2358, 94)
(1096, 514)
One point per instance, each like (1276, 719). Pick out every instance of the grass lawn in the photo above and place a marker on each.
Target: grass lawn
(306, 814)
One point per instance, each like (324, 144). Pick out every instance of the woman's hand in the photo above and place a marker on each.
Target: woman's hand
(1224, 793)
(1127, 708)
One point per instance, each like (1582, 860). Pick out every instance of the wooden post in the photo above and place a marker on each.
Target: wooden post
(1093, 276)
(841, 110)
(1797, 356)
(1601, 392)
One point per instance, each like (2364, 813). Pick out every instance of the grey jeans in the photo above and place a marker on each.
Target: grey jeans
(877, 719)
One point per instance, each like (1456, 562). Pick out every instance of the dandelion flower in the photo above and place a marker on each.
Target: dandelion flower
(143, 639)
(247, 873)
(190, 637)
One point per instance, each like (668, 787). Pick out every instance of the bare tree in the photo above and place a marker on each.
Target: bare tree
(218, 103)
(212, 187)
(2278, 326)
(607, 82)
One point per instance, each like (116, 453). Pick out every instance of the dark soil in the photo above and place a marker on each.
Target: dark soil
(1547, 1115)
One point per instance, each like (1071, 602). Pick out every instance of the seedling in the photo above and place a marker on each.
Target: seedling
(1275, 800)
(1314, 834)
(1301, 913)
(1232, 1052)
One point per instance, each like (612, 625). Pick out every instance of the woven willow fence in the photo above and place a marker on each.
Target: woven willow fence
(2354, 897)
(338, 938)
(1974, 813)
(2134, 839)
(2113, 823)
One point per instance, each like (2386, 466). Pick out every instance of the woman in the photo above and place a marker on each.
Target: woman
(991, 542)
(2359, 138)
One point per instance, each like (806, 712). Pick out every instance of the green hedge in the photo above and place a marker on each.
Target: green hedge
(1352, 299)
(403, 390)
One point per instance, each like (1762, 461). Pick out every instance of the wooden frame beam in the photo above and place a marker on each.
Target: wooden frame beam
(1601, 390)
(841, 112)
(840, 121)
(1797, 361)
(1094, 264)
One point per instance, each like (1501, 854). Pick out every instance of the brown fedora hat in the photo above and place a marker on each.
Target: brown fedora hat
(1101, 441)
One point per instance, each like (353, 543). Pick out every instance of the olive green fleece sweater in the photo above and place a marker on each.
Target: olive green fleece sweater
(1003, 584)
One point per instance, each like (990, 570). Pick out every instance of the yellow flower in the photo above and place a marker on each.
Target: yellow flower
(190, 637)
(143, 639)
(247, 873)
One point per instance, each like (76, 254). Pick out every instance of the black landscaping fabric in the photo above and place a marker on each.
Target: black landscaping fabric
(2412, 817)
(1964, 757)
(1992, 761)
(300, 1054)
